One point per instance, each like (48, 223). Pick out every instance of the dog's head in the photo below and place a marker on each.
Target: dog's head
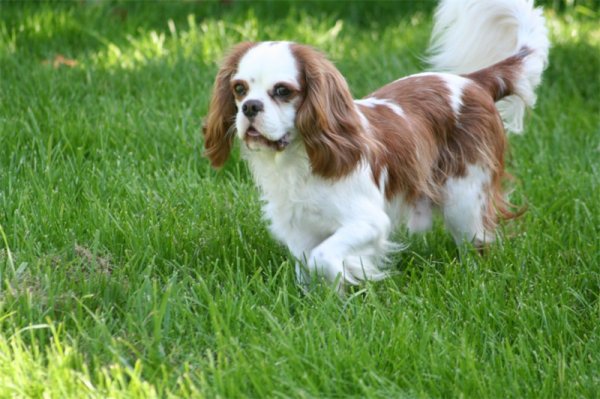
(272, 94)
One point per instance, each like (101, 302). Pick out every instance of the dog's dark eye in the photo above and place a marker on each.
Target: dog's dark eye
(239, 89)
(281, 91)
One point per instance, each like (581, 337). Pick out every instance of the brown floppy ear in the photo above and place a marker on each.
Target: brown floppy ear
(327, 117)
(219, 124)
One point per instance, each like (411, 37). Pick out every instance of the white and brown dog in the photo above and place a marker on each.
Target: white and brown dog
(338, 175)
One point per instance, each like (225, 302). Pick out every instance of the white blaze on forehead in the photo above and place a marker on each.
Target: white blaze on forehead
(268, 63)
(261, 68)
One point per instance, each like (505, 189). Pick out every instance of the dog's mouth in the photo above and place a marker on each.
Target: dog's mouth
(254, 136)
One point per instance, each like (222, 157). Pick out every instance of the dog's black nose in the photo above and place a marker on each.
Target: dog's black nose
(252, 107)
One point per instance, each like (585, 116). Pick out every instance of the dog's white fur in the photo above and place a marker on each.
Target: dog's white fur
(339, 227)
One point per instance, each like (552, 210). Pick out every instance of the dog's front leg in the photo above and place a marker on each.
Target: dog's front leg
(349, 255)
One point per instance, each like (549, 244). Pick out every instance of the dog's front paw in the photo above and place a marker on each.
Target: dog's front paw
(331, 269)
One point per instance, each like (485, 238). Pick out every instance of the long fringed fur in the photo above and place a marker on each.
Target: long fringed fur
(469, 35)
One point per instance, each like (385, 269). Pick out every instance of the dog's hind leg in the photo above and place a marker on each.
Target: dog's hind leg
(466, 207)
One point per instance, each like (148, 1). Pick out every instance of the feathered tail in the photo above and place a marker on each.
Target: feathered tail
(469, 35)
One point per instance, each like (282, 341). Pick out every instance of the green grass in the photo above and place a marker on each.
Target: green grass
(129, 268)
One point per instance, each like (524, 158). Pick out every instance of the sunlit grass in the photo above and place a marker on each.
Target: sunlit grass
(131, 269)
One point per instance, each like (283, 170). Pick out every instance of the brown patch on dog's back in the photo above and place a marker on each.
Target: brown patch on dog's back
(431, 143)
(412, 142)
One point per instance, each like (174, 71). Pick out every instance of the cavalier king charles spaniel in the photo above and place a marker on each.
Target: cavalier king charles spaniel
(339, 175)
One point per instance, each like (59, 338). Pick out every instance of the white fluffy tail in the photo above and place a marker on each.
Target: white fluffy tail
(469, 35)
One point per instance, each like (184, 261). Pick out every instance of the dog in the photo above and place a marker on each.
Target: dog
(339, 175)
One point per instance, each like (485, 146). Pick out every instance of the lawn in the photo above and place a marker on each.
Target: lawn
(130, 268)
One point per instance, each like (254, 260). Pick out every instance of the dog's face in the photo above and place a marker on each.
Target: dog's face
(271, 94)
(267, 94)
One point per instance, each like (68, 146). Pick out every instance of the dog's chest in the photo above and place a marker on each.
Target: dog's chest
(298, 202)
(299, 205)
